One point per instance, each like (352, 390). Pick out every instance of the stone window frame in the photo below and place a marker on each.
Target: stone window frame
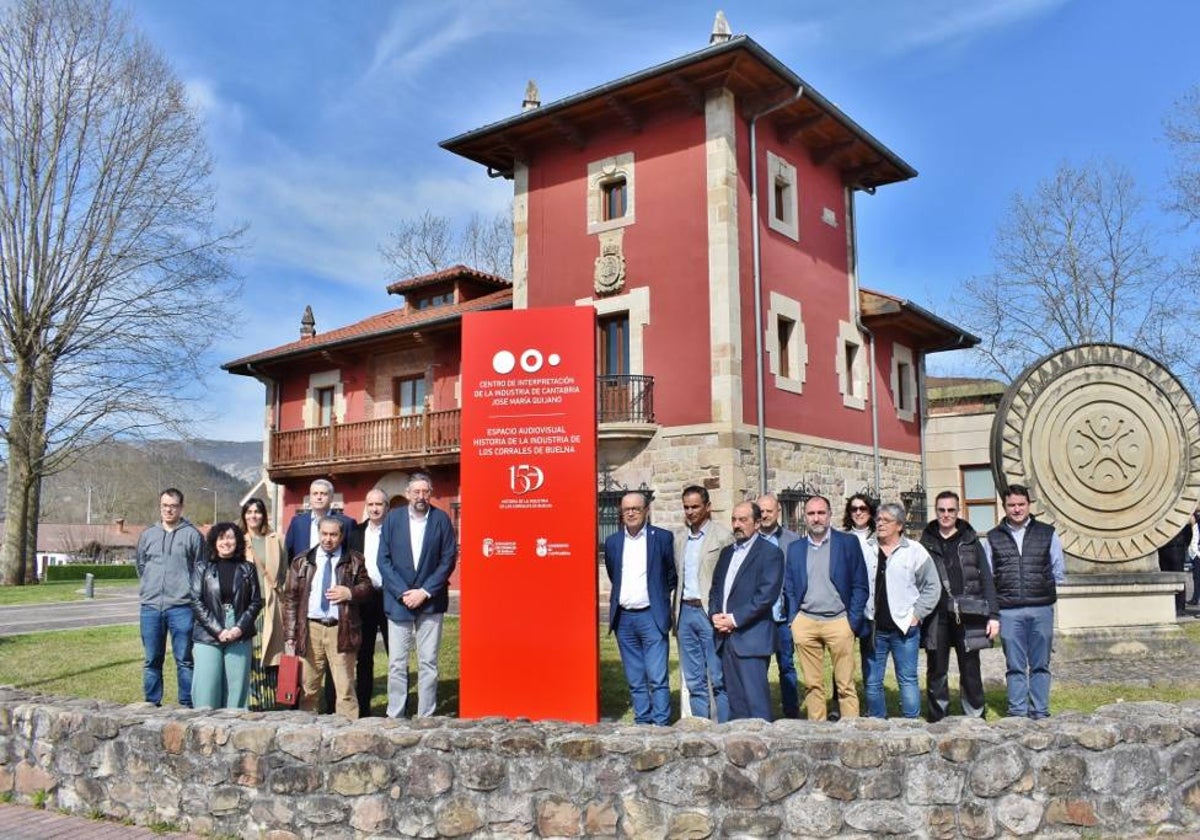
(782, 306)
(783, 219)
(852, 384)
(636, 303)
(904, 381)
(312, 406)
(606, 171)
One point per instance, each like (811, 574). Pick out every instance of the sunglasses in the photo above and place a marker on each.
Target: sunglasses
(858, 508)
(947, 510)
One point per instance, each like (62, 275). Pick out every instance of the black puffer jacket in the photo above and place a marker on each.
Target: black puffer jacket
(206, 600)
(969, 576)
(1024, 578)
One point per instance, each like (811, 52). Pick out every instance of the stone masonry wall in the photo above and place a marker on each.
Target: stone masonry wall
(1128, 770)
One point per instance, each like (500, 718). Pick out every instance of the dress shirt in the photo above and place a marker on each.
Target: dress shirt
(315, 593)
(740, 550)
(777, 611)
(691, 563)
(416, 534)
(1057, 564)
(635, 591)
(314, 528)
(371, 552)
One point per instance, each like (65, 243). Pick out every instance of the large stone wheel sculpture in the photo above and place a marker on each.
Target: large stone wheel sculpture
(1108, 442)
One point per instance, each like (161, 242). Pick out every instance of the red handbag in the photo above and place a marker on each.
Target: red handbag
(287, 687)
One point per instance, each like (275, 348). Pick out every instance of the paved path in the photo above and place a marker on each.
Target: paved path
(18, 822)
(115, 606)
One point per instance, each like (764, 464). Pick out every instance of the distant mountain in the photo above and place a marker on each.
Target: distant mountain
(242, 459)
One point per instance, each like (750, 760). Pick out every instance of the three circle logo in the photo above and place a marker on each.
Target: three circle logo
(531, 361)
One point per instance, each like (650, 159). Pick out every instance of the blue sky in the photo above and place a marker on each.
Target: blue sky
(324, 120)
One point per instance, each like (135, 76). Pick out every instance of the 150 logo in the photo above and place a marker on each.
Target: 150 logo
(525, 478)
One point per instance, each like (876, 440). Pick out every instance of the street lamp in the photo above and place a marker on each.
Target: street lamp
(213, 490)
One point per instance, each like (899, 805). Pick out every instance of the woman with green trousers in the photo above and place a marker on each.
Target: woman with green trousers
(225, 600)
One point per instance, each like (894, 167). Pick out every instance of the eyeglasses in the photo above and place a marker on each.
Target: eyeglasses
(882, 521)
(632, 510)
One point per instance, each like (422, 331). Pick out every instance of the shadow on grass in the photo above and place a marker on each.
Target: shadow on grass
(77, 672)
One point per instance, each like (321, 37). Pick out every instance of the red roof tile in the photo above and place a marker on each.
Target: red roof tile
(386, 323)
(454, 272)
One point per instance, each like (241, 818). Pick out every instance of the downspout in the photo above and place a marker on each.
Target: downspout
(272, 423)
(759, 376)
(924, 415)
(858, 322)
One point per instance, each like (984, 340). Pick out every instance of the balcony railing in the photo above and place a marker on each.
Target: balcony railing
(428, 433)
(625, 399)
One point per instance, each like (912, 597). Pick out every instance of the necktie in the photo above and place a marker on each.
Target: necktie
(326, 582)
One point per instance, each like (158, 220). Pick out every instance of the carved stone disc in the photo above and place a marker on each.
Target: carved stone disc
(1108, 442)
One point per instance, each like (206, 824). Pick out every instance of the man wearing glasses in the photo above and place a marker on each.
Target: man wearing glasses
(640, 561)
(966, 619)
(166, 555)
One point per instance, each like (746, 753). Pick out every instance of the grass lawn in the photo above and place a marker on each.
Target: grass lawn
(47, 593)
(106, 663)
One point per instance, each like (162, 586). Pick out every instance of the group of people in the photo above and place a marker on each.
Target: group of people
(737, 597)
(235, 601)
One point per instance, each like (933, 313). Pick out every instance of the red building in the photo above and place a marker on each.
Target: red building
(705, 208)
(368, 404)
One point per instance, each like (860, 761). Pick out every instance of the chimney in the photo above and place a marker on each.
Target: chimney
(532, 99)
(721, 31)
(120, 523)
(308, 324)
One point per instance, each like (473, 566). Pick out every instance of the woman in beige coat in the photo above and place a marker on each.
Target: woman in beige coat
(265, 550)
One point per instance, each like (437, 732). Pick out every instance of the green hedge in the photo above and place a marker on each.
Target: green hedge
(102, 571)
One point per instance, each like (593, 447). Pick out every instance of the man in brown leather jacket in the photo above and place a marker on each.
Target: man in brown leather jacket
(320, 615)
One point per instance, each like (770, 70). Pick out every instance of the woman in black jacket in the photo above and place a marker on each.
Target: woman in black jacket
(225, 600)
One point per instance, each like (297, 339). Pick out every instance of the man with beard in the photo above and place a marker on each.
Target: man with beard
(826, 589)
(745, 584)
(417, 553)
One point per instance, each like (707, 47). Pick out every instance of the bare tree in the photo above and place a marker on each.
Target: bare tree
(428, 243)
(1182, 127)
(113, 279)
(1076, 262)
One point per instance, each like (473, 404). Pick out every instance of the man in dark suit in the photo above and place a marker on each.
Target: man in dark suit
(302, 530)
(640, 560)
(364, 538)
(825, 589)
(773, 532)
(417, 552)
(745, 585)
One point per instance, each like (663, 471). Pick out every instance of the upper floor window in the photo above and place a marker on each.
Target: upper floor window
(615, 193)
(787, 348)
(325, 406)
(611, 193)
(408, 395)
(782, 197)
(904, 382)
(851, 367)
(433, 300)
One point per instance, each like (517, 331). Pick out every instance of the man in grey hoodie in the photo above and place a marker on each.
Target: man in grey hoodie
(166, 554)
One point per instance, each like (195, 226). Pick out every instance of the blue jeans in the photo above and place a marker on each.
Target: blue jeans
(700, 664)
(904, 649)
(155, 626)
(644, 652)
(1027, 633)
(789, 687)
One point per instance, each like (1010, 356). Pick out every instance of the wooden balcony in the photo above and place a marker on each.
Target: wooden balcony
(432, 437)
(624, 412)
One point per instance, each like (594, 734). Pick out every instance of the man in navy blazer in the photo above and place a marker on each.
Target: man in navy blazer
(825, 588)
(417, 552)
(302, 530)
(640, 560)
(746, 584)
